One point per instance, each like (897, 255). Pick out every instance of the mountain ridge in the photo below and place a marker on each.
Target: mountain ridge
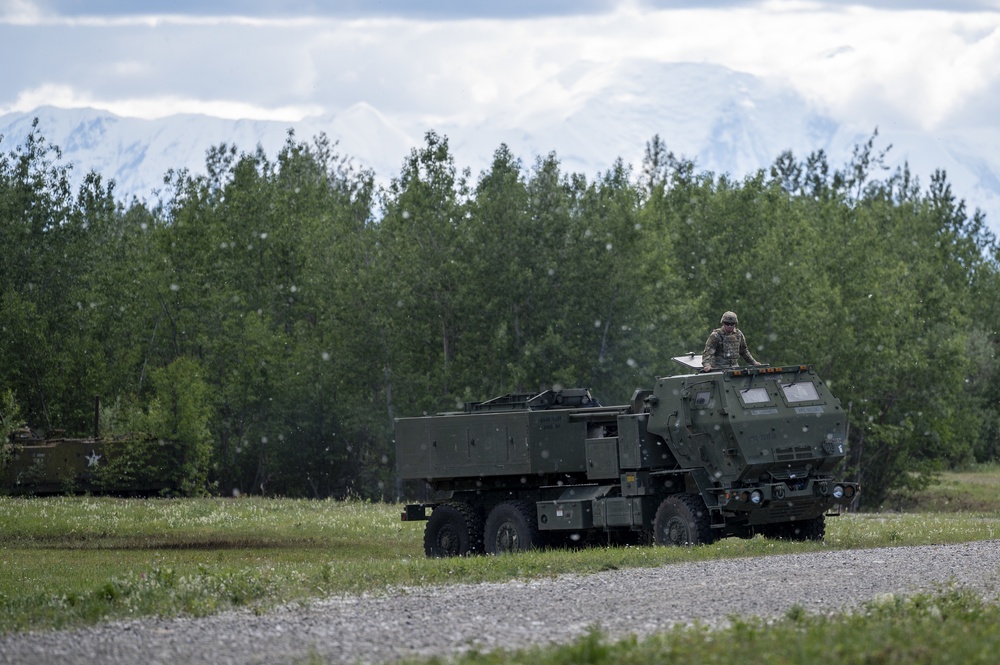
(724, 120)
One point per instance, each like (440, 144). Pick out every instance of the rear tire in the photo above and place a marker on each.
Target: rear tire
(682, 519)
(512, 526)
(454, 529)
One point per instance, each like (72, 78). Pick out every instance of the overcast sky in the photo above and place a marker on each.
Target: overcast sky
(923, 65)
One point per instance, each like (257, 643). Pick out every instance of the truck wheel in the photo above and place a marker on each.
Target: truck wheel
(682, 519)
(452, 530)
(512, 526)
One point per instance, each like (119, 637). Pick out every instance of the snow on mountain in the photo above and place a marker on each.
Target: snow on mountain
(136, 153)
(970, 158)
(726, 121)
(370, 137)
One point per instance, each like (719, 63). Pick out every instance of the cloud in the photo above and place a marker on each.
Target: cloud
(342, 9)
(866, 65)
(68, 97)
(429, 9)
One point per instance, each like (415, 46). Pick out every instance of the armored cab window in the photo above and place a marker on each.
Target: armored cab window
(800, 392)
(755, 396)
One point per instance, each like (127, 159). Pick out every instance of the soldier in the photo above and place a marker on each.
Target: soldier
(725, 346)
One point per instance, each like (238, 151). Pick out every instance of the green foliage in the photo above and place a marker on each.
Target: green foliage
(10, 419)
(135, 462)
(272, 316)
(179, 412)
(167, 445)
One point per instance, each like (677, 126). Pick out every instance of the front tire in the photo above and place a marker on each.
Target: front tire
(453, 530)
(512, 526)
(682, 519)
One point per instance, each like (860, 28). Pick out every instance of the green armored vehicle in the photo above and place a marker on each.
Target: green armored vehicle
(698, 457)
(33, 464)
(37, 464)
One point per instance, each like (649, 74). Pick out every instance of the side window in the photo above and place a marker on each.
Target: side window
(755, 396)
(800, 392)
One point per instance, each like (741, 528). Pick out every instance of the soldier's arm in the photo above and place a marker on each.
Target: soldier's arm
(745, 350)
(710, 345)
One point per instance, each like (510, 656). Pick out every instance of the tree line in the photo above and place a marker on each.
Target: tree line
(275, 315)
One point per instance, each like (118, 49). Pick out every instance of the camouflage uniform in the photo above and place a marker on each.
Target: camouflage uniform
(723, 350)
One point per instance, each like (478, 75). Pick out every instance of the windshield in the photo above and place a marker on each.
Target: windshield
(755, 396)
(800, 392)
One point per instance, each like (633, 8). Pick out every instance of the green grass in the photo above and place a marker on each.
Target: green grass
(974, 490)
(76, 561)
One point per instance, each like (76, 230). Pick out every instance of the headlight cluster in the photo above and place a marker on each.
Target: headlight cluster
(843, 491)
(755, 497)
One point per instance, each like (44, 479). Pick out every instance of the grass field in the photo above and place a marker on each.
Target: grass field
(77, 560)
(973, 490)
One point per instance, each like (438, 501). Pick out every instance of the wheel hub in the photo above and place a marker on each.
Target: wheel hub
(676, 532)
(507, 538)
(448, 541)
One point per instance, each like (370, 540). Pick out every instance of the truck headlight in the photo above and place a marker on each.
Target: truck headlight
(838, 491)
(756, 497)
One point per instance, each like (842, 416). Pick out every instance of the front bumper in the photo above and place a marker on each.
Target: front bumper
(788, 500)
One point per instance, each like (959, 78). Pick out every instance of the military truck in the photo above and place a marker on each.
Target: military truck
(700, 456)
(33, 462)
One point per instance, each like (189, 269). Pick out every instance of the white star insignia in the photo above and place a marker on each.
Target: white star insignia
(93, 458)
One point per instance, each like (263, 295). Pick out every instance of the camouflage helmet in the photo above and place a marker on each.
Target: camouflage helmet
(730, 317)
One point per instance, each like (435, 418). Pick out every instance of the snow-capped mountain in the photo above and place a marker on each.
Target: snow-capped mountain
(726, 121)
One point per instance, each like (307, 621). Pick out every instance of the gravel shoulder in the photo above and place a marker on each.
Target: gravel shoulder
(430, 621)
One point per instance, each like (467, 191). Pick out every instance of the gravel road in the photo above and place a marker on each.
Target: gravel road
(428, 621)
